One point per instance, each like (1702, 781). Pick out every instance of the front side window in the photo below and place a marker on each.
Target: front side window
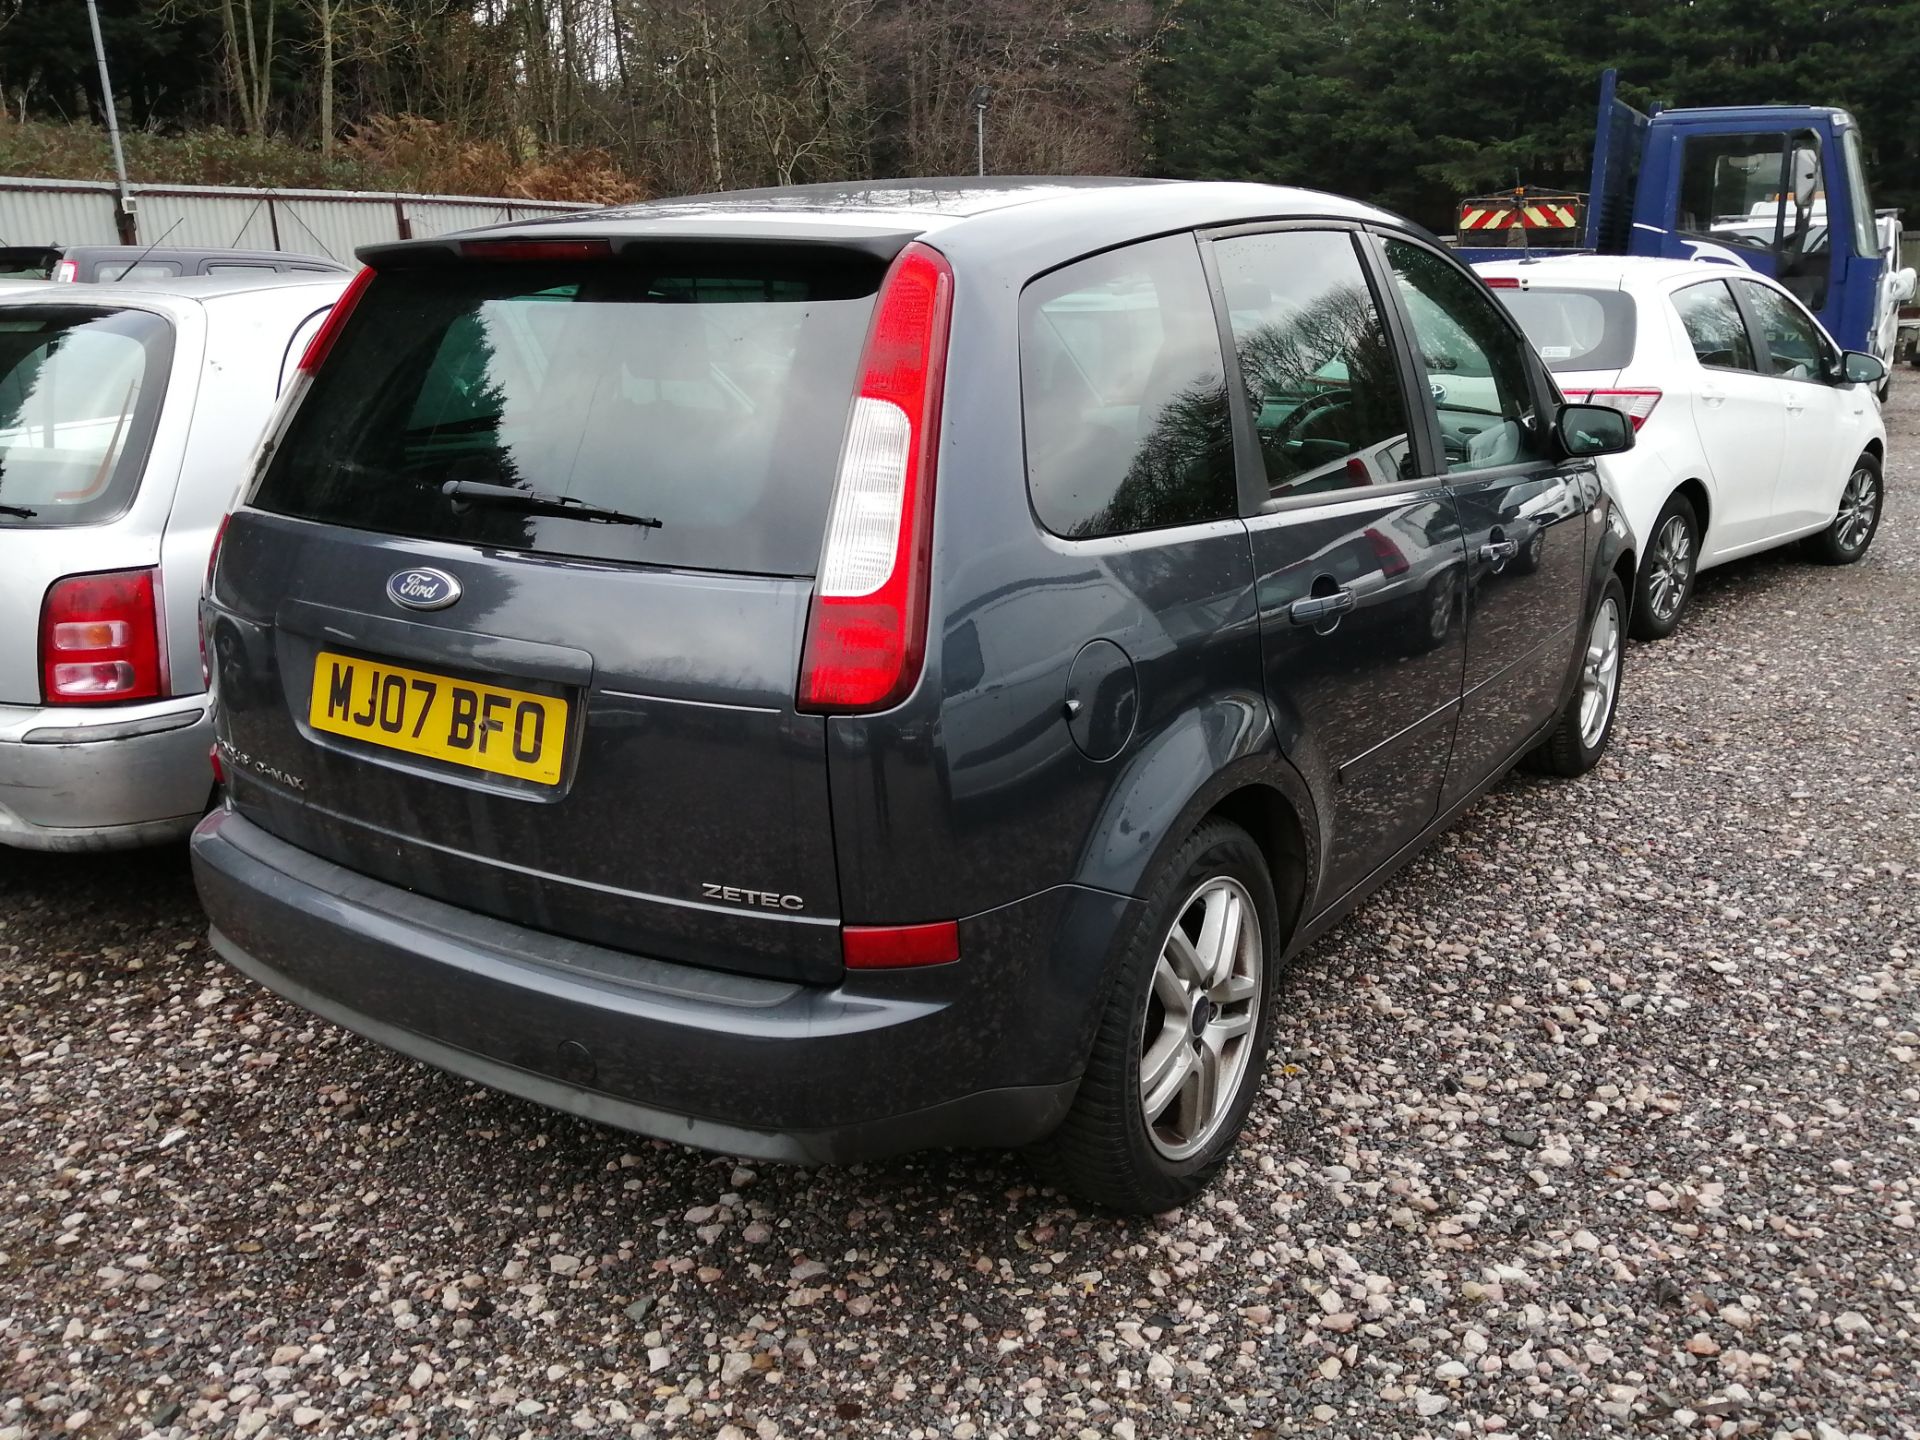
(1125, 395)
(1715, 328)
(80, 394)
(1473, 362)
(1315, 362)
(1865, 242)
(1795, 344)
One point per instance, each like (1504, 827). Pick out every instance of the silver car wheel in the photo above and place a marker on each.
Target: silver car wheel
(1859, 504)
(1197, 1036)
(1672, 570)
(1600, 674)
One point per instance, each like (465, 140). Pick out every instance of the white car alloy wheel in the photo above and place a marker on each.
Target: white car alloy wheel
(1859, 508)
(1600, 673)
(1672, 568)
(1198, 1033)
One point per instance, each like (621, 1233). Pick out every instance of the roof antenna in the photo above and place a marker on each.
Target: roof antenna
(134, 263)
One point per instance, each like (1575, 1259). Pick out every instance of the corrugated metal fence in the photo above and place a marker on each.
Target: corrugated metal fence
(332, 223)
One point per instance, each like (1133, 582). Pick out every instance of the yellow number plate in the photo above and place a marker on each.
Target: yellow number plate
(484, 727)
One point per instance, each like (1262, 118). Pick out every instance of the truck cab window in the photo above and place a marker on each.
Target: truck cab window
(1762, 192)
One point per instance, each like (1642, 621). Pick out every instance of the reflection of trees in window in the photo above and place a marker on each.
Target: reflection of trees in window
(1182, 471)
(1294, 358)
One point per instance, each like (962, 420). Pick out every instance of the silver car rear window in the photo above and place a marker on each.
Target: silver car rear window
(80, 394)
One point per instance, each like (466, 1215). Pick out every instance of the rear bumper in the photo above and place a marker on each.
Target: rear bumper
(76, 778)
(983, 1052)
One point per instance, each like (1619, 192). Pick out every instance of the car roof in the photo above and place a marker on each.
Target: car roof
(188, 252)
(171, 295)
(1609, 272)
(1030, 214)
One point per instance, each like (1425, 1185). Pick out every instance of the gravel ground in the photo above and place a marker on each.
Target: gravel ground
(1602, 1119)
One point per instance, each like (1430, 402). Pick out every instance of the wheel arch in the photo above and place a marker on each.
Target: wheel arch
(1200, 769)
(1695, 492)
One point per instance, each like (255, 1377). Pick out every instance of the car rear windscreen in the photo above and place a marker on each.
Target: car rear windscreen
(80, 393)
(707, 393)
(1576, 329)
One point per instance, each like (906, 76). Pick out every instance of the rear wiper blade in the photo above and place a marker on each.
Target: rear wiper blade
(20, 512)
(476, 492)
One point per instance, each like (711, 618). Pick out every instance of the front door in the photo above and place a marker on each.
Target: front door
(1521, 509)
(1826, 424)
(1359, 563)
(1739, 415)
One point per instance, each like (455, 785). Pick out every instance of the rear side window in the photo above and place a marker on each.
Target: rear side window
(80, 394)
(1321, 377)
(1576, 329)
(1125, 395)
(710, 394)
(1715, 328)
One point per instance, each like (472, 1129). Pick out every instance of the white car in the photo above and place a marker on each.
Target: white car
(128, 414)
(1753, 429)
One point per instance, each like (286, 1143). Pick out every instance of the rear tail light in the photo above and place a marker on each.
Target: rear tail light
(1393, 560)
(1638, 404)
(893, 947)
(867, 630)
(219, 769)
(100, 639)
(536, 250)
(213, 555)
(330, 328)
(67, 272)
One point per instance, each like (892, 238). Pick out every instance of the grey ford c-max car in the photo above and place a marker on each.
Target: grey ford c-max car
(826, 672)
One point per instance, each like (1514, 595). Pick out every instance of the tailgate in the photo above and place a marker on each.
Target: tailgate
(515, 614)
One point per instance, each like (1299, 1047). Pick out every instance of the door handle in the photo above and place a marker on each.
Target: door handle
(1316, 609)
(1795, 404)
(1494, 551)
(1714, 398)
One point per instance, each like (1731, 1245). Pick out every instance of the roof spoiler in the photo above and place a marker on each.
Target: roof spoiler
(880, 248)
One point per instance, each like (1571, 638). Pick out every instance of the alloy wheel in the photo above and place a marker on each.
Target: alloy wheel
(1859, 504)
(1672, 571)
(1197, 1036)
(1600, 674)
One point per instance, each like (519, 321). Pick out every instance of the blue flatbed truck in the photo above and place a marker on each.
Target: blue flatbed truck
(1781, 189)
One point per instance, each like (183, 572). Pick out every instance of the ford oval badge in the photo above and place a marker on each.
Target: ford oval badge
(423, 589)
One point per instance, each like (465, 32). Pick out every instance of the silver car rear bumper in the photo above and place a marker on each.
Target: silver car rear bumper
(78, 778)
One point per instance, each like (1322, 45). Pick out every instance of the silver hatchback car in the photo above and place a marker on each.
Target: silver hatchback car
(127, 416)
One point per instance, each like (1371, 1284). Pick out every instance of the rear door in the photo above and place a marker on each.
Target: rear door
(1521, 508)
(582, 722)
(1740, 414)
(1359, 565)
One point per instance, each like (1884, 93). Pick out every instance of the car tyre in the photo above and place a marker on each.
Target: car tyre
(1195, 1018)
(1667, 572)
(1857, 520)
(1585, 726)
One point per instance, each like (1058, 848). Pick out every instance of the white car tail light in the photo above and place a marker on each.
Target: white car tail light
(1636, 404)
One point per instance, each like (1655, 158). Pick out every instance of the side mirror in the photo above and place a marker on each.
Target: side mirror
(1806, 177)
(1587, 430)
(1859, 368)
(1902, 286)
